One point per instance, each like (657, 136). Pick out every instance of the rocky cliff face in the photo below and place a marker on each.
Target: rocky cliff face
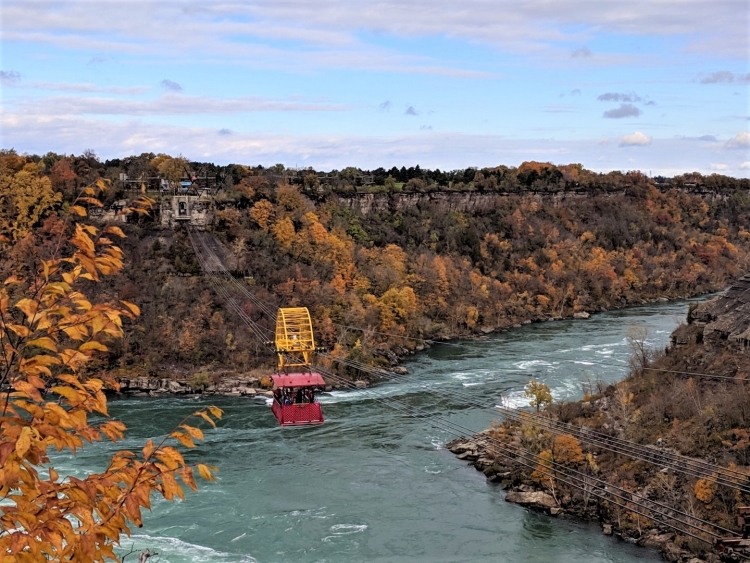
(726, 318)
(465, 202)
(473, 202)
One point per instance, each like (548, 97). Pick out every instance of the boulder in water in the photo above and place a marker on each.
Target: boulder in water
(537, 499)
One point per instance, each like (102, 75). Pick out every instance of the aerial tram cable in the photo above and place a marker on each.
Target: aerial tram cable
(681, 464)
(633, 451)
(648, 454)
(678, 463)
(522, 452)
(688, 466)
(557, 469)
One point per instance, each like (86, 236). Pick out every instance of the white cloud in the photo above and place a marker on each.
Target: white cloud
(719, 167)
(9, 77)
(745, 165)
(168, 84)
(625, 110)
(636, 139)
(168, 104)
(87, 88)
(740, 141)
(724, 76)
(581, 53)
(336, 29)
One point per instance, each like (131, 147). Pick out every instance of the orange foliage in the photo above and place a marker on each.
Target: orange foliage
(567, 449)
(705, 489)
(50, 332)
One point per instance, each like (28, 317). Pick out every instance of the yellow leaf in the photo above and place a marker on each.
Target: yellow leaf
(205, 472)
(117, 231)
(194, 432)
(207, 418)
(73, 396)
(53, 474)
(216, 411)
(91, 201)
(28, 307)
(171, 457)
(78, 210)
(183, 439)
(133, 307)
(187, 477)
(75, 332)
(23, 444)
(148, 449)
(92, 345)
(44, 342)
(171, 488)
(20, 330)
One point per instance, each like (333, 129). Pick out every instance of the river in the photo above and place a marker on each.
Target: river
(372, 484)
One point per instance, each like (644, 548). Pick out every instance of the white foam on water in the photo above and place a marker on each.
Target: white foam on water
(358, 396)
(583, 363)
(532, 363)
(473, 384)
(605, 352)
(589, 347)
(238, 537)
(174, 550)
(515, 399)
(339, 530)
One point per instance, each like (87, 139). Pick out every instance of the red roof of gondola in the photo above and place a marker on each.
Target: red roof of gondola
(297, 380)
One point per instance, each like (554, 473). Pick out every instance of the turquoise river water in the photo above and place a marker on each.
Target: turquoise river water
(372, 484)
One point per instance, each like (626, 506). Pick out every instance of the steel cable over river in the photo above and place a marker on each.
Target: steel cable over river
(734, 479)
(666, 516)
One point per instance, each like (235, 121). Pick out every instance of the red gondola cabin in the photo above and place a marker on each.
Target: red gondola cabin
(294, 383)
(294, 401)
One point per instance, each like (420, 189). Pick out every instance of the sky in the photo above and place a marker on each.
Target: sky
(660, 86)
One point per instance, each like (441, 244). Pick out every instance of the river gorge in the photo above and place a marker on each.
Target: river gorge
(372, 484)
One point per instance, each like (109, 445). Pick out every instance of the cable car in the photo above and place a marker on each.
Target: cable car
(294, 384)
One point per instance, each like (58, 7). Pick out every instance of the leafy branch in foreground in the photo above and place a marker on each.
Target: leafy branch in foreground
(49, 333)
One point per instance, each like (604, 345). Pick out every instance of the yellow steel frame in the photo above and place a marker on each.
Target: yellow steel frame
(295, 342)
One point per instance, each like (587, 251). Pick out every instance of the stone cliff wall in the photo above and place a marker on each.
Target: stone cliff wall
(472, 202)
(464, 202)
(727, 317)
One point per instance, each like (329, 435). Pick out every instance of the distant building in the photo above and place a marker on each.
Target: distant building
(195, 210)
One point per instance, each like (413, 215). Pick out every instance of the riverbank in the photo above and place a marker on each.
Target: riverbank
(664, 406)
(523, 490)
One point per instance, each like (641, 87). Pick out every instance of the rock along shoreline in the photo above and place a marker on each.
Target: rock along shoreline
(476, 451)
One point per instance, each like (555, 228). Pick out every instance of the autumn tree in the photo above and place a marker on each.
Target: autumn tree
(50, 331)
(567, 449)
(538, 393)
(173, 169)
(25, 197)
(637, 337)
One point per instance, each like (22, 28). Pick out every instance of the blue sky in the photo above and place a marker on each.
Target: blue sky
(659, 86)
